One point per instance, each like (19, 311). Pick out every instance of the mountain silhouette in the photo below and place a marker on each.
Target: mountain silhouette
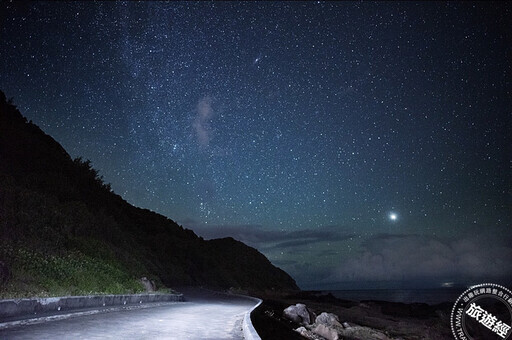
(63, 230)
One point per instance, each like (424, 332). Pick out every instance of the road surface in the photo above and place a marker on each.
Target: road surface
(203, 316)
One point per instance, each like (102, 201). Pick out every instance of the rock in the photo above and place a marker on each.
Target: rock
(361, 332)
(326, 332)
(238, 291)
(308, 334)
(299, 313)
(328, 326)
(149, 285)
(328, 319)
(303, 331)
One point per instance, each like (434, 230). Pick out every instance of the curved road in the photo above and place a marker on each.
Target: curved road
(204, 315)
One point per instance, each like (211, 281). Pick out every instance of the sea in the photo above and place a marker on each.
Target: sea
(428, 296)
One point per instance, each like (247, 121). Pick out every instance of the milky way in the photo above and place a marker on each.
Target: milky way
(298, 128)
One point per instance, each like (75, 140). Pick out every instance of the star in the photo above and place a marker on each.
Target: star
(203, 120)
(393, 216)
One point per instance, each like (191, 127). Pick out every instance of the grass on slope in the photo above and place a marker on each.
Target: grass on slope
(72, 273)
(52, 248)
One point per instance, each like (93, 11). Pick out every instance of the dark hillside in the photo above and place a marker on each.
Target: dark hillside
(63, 229)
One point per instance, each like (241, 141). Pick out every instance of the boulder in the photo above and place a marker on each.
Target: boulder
(326, 332)
(328, 326)
(300, 314)
(329, 320)
(308, 334)
(149, 285)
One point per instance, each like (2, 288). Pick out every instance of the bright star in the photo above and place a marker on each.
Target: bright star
(393, 216)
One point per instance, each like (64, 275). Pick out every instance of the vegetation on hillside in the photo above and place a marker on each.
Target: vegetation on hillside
(63, 231)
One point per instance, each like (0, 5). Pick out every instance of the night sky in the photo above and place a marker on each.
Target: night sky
(349, 142)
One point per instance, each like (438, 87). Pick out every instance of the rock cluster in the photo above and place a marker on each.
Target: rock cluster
(149, 285)
(300, 314)
(328, 326)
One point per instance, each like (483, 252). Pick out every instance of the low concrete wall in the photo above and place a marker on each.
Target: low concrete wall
(249, 330)
(10, 309)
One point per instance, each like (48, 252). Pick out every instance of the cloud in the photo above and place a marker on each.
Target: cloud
(202, 121)
(382, 257)
(308, 237)
(405, 257)
(265, 239)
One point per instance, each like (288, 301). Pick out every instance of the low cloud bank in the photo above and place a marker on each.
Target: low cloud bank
(264, 239)
(408, 257)
(473, 257)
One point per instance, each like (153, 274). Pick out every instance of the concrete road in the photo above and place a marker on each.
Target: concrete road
(204, 315)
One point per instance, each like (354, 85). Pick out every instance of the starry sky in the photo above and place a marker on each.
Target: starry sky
(349, 142)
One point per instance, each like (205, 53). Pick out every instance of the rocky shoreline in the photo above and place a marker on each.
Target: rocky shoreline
(312, 315)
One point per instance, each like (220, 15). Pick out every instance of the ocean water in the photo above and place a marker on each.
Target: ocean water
(429, 296)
